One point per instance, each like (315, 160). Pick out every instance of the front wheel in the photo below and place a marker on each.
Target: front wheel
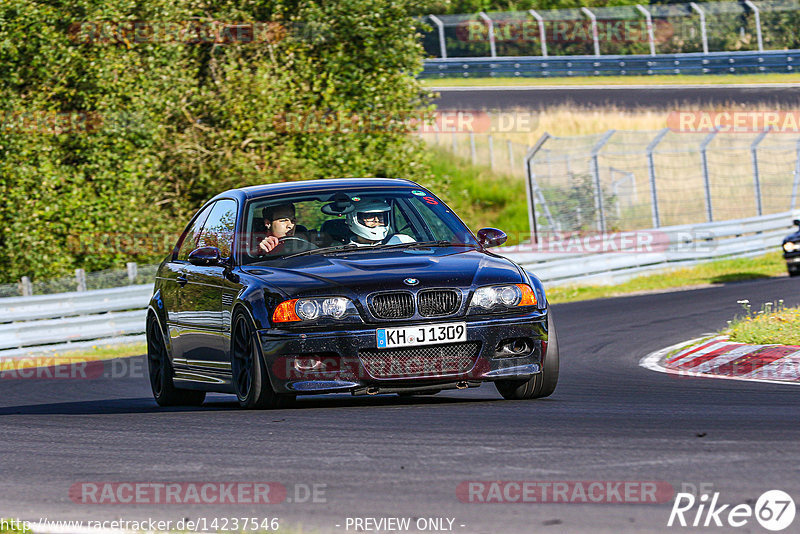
(160, 371)
(249, 374)
(539, 385)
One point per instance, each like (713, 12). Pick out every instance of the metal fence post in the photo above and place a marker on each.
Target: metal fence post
(757, 14)
(132, 271)
(472, 148)
(598, 191)
(490, 25)
(442, 44)
(706, 181)
(25, 287)
(530, 185)
(595, 37)
(80, 279)
(756, 176)
(796, 177)
(491, 151)
(651, 171)
(510, 155)
(650, 37)
(542, 31)
(703, 34)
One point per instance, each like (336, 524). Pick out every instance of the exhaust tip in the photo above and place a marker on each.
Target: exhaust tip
(462, 385)
(372, 391)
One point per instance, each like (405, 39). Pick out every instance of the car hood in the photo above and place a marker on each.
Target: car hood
(792, 237)
(357, 272)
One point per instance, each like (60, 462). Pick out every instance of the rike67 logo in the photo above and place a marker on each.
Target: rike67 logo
(774, 510)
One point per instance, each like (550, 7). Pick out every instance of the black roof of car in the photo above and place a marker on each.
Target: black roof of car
(255, 191)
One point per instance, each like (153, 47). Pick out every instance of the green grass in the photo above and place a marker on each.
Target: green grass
(77, 356)
(481, 197)
(677, 79)
(771, 324)
(716, 272)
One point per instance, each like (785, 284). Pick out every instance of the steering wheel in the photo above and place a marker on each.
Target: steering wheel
(296, 244)
(289, 237)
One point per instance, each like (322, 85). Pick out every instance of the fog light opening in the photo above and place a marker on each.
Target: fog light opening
(516, 347)
(309, 364)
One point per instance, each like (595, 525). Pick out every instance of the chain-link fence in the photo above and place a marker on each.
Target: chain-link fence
(640, 29)
(630, 180)
(133, 274)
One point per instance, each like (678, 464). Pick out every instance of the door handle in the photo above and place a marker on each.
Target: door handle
(182, 280)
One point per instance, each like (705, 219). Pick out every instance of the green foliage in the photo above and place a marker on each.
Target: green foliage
(170, 124)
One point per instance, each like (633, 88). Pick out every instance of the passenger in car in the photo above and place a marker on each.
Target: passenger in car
(369, 223)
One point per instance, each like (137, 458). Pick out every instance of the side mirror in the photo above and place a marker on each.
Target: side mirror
(796, 222)
(491, 237)
(205, 256)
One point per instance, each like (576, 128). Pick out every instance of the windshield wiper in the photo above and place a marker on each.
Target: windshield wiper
(322, 250)
(351, 247)
(425, 244)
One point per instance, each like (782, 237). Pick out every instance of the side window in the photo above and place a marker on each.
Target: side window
(435, 224)
(218, 229)
(401, 224)
(192, 234)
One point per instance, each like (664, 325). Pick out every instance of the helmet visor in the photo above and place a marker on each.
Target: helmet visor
(373, 219)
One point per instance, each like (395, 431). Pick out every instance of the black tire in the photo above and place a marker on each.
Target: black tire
(539, 385)
(160, 371)
(795, 272)
(249, 374)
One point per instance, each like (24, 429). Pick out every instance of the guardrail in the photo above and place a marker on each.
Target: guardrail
(560, 66)
(60, 322)
(665, 247)
(56, 322)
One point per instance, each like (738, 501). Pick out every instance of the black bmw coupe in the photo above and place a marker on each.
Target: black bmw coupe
(360, 286)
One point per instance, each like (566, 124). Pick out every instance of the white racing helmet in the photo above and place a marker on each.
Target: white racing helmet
(370, 208)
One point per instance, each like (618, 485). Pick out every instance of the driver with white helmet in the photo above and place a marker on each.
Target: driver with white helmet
(369, 222)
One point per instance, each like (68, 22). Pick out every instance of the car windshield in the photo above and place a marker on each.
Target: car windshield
(306, 224)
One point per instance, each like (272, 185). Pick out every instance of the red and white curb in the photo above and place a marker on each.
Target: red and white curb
(717, 357)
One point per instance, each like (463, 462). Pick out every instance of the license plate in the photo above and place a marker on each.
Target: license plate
(421, 335)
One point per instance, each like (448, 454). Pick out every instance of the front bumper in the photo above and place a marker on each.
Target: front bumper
(345, 360)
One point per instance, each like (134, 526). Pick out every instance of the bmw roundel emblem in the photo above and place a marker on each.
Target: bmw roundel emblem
(411, 281)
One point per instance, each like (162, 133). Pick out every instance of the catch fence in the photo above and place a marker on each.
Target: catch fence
(631, 180)
(642, 29)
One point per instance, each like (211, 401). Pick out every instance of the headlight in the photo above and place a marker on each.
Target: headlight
(502, 297)
(791, 247)
(313, 309)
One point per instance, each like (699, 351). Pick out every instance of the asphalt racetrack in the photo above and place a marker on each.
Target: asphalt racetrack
(784, 96)
(380, 457)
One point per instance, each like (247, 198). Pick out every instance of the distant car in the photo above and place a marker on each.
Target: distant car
(791, 251)
(381, 288)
